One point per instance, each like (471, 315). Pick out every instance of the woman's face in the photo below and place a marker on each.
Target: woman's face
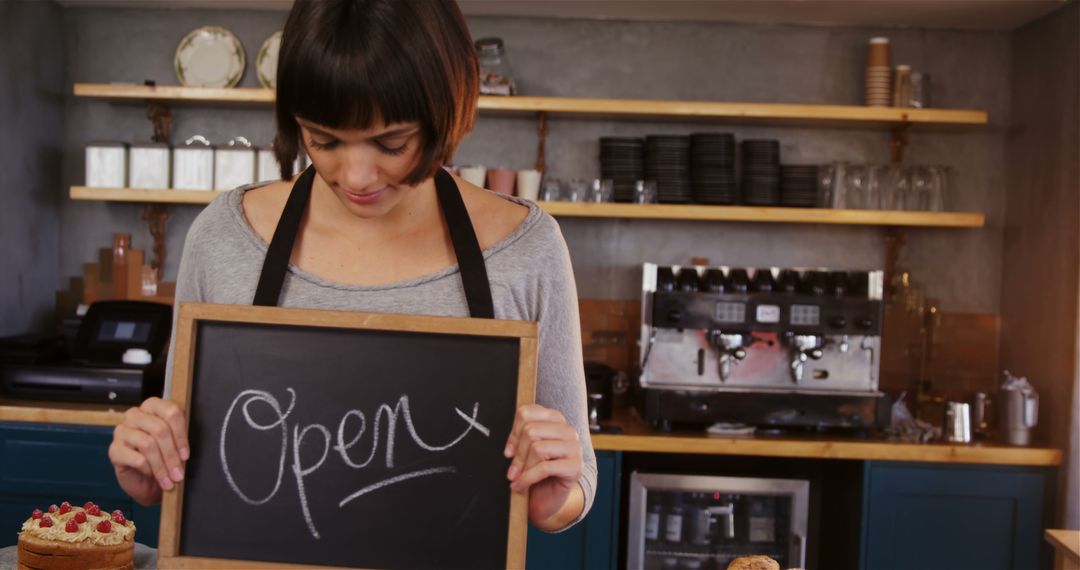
(363, 168)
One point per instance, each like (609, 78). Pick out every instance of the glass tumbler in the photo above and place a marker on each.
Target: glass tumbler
(576, 190)
(858, 182)
(645, 192)
(937, 198)
(551, 190)
(918, 198)
(601, 190)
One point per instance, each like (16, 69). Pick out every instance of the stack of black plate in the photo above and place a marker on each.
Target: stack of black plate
(622, 160)
(667, 161)
(761, 172)
(799, 185)
(712, 168)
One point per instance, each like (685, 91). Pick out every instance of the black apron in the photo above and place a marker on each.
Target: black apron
(466, 248)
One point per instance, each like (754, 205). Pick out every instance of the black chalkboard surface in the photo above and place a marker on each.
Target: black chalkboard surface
(347, 439)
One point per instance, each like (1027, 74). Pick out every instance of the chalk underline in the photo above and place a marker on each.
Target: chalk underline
(392, 480)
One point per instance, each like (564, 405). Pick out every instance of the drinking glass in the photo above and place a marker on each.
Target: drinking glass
(892, 182)
(841, 194)
(645, 192)
(919, 196)
(576, 190)
(551, 190)
(858, 181)
(937, 197)
(601, 190)
(826, 180)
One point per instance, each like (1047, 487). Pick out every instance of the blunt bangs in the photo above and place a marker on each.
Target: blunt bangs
(346, 64)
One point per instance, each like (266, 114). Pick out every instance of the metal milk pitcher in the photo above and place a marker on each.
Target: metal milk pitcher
(1019, 411)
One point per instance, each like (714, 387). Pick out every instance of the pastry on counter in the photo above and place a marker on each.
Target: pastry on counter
(69, 538)
(754, 563)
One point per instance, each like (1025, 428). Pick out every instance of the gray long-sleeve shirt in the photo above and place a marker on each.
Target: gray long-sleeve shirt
(529, 271)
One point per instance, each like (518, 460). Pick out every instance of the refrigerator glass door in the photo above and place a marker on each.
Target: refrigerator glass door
(690, 522)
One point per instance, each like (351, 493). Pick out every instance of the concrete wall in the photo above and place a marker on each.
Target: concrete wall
(616, 59)
(31, 119)
(1040, 290)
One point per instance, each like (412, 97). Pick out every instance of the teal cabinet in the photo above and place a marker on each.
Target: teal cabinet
(965, 517)
(594, 542)
(42, 464)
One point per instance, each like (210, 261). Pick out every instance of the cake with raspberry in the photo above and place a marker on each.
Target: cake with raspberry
(77, 538)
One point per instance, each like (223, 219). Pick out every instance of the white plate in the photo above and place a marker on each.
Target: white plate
(266, 63)
(209, 56)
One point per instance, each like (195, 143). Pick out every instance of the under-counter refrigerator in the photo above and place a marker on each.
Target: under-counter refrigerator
(691, 522)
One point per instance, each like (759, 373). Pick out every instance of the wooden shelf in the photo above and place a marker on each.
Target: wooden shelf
(774, 113)
(144, 195)
(625, 211)
(176, 93)
(766, 214)
(61, 412)
(852, 115)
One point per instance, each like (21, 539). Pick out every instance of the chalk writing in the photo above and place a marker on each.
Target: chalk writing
(389, 414)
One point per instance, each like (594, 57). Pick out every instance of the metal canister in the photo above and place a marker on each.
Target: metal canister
(957, 426)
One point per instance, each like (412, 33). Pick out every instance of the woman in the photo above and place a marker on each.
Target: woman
(379, 93)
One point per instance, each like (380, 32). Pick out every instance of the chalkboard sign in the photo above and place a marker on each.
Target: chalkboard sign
(324, 438)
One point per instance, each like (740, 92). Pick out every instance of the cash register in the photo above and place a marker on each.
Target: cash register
(116, 356)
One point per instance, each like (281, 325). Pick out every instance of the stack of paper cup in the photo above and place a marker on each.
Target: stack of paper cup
(879, 74)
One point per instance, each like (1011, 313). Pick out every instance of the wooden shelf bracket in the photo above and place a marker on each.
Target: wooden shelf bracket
(899, 140)
(155, 216)
(541, 141)
(160, 114)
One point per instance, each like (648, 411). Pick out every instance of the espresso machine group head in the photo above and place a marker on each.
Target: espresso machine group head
(790, 347)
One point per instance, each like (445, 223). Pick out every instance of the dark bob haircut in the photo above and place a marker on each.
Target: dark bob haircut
(344, 64)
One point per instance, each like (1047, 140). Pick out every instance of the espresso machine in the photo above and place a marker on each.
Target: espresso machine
(779, 348)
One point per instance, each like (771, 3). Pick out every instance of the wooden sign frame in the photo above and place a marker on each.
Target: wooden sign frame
(190, 314)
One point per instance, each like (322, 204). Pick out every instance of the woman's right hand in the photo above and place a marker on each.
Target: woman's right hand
(149, 449)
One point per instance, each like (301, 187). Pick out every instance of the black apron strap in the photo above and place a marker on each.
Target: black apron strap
(462, 236)
(467, 249)
(276, 263)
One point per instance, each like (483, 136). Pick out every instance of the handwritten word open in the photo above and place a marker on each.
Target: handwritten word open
(247, 398)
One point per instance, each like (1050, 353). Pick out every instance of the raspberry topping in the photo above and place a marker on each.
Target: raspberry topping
(37, 514)
(72, 526)
(80, 517)
(118, 518)
(93, 510)
(88, 505)
(104, 526)
(65, 507)
(46, 521)
(53, 508)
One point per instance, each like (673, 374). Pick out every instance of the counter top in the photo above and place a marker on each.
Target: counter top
(1066, 545)
(637, 436)
(61, 412)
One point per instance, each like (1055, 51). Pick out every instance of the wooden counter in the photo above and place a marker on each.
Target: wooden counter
(637, 436)
(1066, 545)
(61, 412)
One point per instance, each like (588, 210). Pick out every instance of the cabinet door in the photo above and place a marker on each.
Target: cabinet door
(594, 542)
(42, 464)
(925, 517)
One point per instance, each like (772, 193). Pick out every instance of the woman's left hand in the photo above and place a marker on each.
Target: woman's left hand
(547, 462)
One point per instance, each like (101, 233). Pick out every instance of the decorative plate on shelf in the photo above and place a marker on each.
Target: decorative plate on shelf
(266, 63)
(209, 56)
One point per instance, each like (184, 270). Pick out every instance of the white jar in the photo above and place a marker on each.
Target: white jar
(193, 165)
(234, 164)
(106, 165)
(148, 166)
(268, 169)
